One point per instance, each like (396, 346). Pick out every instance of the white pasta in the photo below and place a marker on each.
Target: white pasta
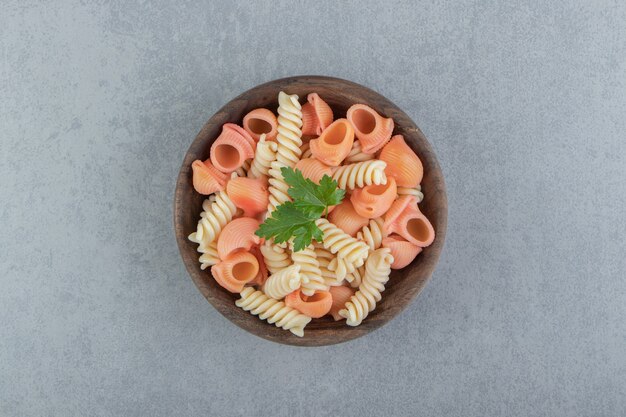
(276, 258)
(283, 282)
(324, 258)
(356, 277)
(350, 252)
(265, 154)
(218, 210)
(306, 151)
(209, 256)
(415, 192)
(377, 270)
(274, 311)
(373, 233)
(309, 270)
(244, 169)
(288, 151)
(357, 155)
(361, 174)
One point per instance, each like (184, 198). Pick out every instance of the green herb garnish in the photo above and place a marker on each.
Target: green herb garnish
(297, 218)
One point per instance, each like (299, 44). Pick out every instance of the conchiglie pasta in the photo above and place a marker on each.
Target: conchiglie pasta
(316, 115)
(238, 234)
(313, 169)
(206, 178)
(410, 223)
(402, 163)
(345, 217)
(403, 251)
(261, 122)
(235, 271)
(248, 194)
(374, 200)
(340, 296)
(231, 148)
(334, 144)
(372, 130)
(314, 306)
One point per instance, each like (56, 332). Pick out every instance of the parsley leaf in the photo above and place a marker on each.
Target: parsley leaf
(296, 219)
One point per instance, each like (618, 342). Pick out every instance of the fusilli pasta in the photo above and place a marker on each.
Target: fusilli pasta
(361, 174)
(357, 155)
(350, 252)
(373, 234)
(415, 192)
(281, 283)
(276, 258)
(309, 270)
(218, 210)
(264, 156)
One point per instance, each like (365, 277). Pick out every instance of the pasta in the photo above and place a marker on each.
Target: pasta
(231, 148)
(248, 194)
(324, 257)
(316, 115)
(334, 144)
(403, 251)
(412, 191)
(351, 252)
(376, 226)
(238, 234)
(402, 163)
(283, 282)
(374, 200)
(218, 210)
(276, 258)
(357, 155)
(373, 234)
(264, 156)
(340, 296)
(288, 151)
(275, 312)
(346, 218)
(206, 178)
(261, 122)
(309, 269)
(238, 269)
(361, 174)
(372, 130)
(377, 270)
(314, 306)
(406, 219)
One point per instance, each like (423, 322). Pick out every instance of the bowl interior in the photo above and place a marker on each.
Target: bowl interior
(403, 284)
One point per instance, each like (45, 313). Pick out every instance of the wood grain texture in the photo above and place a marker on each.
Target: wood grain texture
(403, 286)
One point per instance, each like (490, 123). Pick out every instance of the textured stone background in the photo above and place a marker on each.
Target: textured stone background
(525, 104)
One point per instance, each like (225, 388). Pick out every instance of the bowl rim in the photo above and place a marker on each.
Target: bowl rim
(263, 329)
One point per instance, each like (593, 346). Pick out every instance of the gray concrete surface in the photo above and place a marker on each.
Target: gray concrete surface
(525, 104)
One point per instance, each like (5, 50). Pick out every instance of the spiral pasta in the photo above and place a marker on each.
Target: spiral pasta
(276, 258)
(283, 282)
(377, 270)
(309, 270)
(274, 311)
(209, 255)
(412, 191)
(218, 210)
(264, 156)
(373, 234)
(355, 277)
(350, 252)
(361, 174)
(357, 155)
(243, 169)
(324, 258)
(288, 151)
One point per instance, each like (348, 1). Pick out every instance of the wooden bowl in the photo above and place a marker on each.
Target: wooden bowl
(403, 284)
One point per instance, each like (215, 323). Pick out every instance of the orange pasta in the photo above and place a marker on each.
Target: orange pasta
(313, 169)
(402, 163)
(231, 148)
(345, 217)
(372, 130)
(238, 234)
(334, 144)
(403, 251)
(248, 194)
(238, 269)
(260, 121)
(340, 295)
(374, 200)
(315, 306)
(316, 115)
(406, 219)
(262, 275)
(206, 178)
